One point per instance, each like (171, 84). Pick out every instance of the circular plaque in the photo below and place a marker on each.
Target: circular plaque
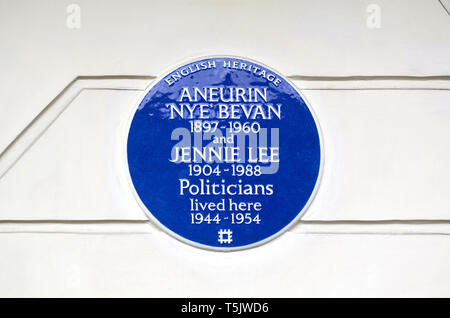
(224, 153)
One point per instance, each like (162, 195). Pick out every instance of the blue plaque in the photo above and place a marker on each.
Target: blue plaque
(224, 153)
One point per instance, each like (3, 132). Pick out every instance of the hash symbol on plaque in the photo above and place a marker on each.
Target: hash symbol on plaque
(225, 236)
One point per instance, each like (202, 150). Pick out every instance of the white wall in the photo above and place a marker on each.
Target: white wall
(379, 225)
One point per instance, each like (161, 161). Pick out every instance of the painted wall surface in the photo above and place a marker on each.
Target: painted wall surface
(376, 73)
